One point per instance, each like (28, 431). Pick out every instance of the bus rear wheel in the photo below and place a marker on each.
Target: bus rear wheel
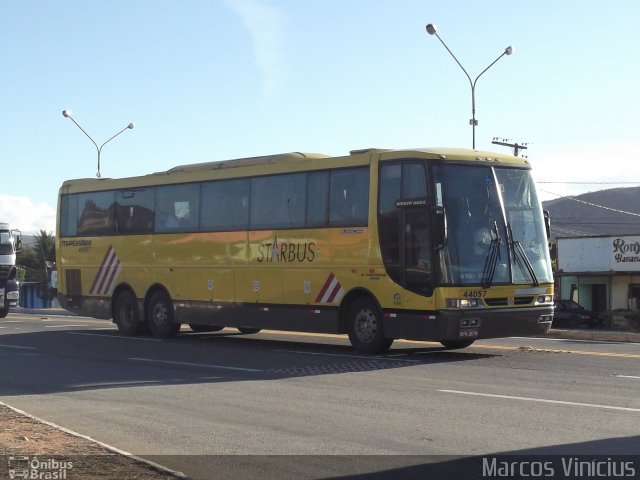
(160, 316)
(248, 331)
(365, 329)
(205, 328)
(126, 315)
(456, 344)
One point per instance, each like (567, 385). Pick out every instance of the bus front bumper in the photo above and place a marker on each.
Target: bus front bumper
(470, 324)
(9, 294)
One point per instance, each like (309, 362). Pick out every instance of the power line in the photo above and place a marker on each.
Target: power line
(593, 204)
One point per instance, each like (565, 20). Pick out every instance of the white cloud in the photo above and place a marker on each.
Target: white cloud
(265, 24)
(24, 215)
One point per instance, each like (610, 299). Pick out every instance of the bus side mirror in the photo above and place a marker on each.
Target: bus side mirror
(547, 223)
(438, 227)
(17, 240)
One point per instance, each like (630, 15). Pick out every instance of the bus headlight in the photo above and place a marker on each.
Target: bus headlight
(463, 302)
(15, 295)
(544, 299)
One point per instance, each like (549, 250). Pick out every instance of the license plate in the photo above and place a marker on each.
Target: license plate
(469, 333)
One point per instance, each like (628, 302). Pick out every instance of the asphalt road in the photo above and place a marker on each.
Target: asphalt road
(288, 405)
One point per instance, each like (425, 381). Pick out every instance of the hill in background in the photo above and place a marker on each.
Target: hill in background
(581, 216)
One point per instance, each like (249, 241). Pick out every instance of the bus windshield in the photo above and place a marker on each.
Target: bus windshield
(495, 227)
(6, 243)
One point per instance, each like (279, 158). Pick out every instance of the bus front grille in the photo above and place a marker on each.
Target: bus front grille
(5, 271)
(504, 302)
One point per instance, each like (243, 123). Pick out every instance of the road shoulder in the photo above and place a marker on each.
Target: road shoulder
(30, 444)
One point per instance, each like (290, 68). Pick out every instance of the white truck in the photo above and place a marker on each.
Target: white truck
(10, 243)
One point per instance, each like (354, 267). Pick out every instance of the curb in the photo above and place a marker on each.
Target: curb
(156, 466)
(595, 335)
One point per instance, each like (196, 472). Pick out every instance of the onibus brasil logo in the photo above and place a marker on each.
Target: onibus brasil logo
(34, 468)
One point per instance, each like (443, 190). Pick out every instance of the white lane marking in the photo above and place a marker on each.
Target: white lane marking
(64, 326)
(116, 384)
(101, 335)
(134, 383)
(627, 376)
(188, 364)
(12, 321)
(361, 357)
(16, 346)
(543, 400)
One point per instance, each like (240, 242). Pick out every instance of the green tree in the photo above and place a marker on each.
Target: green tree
(22, 274)
(46, 243)
(30, 259)
(34, 257)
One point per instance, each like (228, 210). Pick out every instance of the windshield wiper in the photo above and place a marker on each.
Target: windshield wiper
(521, 259)
(492, 257)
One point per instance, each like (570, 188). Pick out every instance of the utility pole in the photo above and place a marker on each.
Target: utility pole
(505, 143)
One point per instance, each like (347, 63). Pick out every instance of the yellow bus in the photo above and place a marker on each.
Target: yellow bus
(447, 245)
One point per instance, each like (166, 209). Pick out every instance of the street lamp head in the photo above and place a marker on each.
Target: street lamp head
(66, 113)
(130, 126)
(509, 50)
(431, 29)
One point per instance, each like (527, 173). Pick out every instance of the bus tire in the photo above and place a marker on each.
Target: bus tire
(248, 331)
(160, 316)
(205, 328)
(456, 344)
(365, 328)
(126, 315)
(4, 312)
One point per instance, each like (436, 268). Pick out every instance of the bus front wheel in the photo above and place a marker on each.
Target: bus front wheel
(365, 327)
(456, 344)
(160, 316)
(126, 315)
(4, 312)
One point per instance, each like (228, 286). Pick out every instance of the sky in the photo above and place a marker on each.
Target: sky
(207, 80)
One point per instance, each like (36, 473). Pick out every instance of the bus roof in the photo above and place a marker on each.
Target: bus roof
(288, 162)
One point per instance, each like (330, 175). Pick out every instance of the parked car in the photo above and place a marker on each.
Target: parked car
(571, 314)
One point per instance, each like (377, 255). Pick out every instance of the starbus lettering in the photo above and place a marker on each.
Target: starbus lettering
(286, 252)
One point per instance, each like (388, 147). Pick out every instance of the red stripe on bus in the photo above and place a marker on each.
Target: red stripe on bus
(334, 292)
(324, 288)
(107, 272)
(104, 260)
(116, 267)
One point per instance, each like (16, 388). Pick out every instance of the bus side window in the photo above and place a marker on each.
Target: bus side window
(225, 205)
(278, 201)
(317, 199)
(177, 208)
(97, 216)
(349, 197)
(134, 210)
(69, 215)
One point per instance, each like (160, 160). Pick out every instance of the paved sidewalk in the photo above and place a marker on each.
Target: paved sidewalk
(571, 334)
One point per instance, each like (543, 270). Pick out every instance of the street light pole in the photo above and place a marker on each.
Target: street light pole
(431, 30)
(67, 114)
